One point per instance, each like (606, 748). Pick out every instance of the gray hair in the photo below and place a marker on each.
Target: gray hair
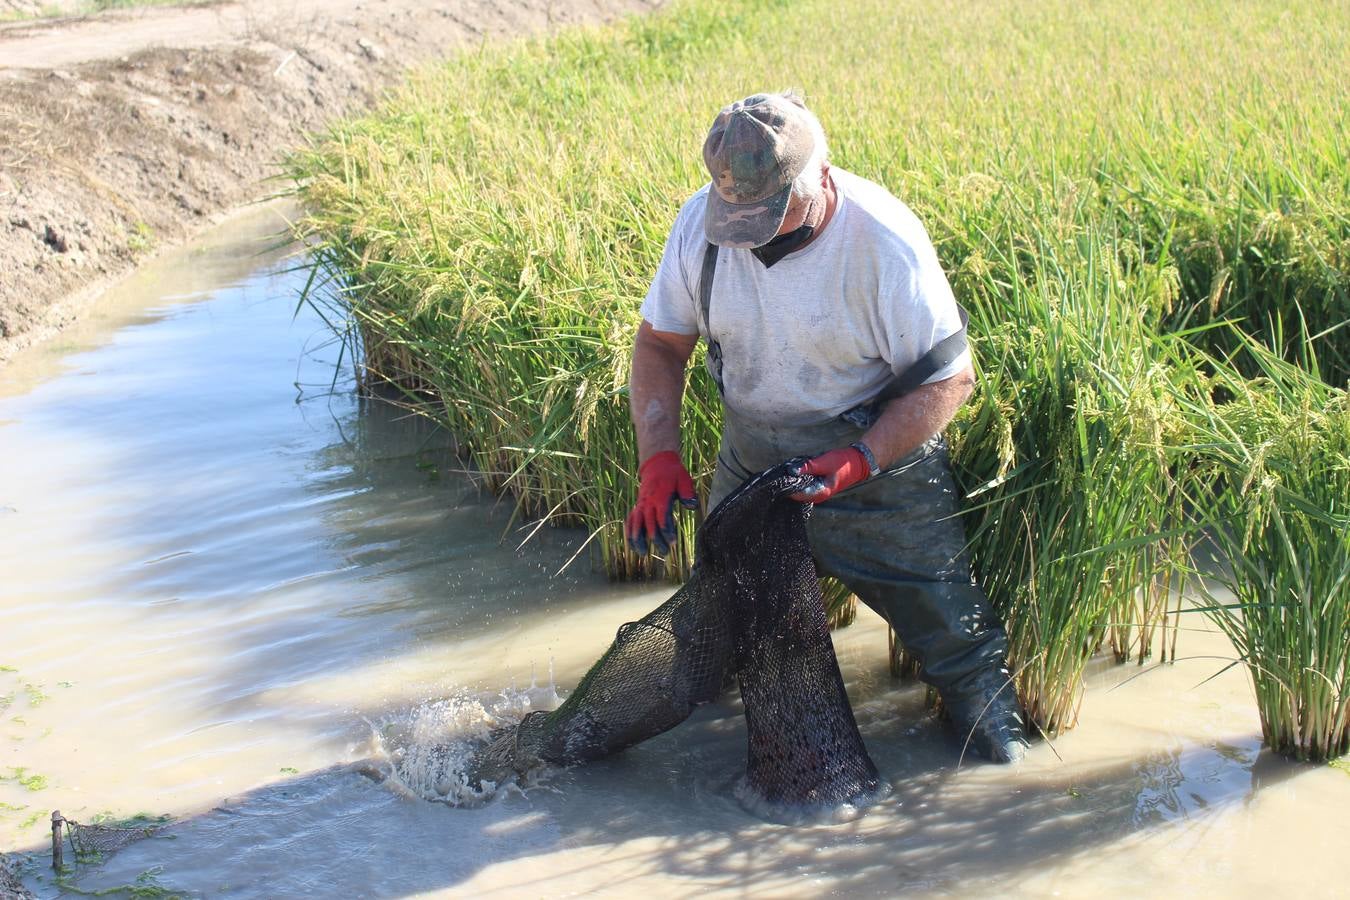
(806, 186)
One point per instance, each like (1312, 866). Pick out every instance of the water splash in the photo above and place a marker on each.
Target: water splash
(426, 750)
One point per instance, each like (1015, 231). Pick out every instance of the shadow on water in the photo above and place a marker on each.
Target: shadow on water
(199, 532)
(665, 809)
(416, 561)
(438, 536)
(228, 482)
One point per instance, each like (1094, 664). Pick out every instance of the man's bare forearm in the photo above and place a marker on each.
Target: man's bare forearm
(656, 388)
(908, 421)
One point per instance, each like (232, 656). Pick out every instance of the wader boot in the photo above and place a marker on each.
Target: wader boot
(895, 541)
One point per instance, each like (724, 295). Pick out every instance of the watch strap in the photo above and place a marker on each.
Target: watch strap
(873, 470)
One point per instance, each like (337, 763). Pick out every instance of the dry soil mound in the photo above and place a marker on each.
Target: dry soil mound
(179, 114)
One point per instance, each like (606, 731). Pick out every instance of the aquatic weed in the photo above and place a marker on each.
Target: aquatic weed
(21, 776)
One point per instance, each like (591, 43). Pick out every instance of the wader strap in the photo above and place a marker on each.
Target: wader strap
(705, 283)
(943, 354)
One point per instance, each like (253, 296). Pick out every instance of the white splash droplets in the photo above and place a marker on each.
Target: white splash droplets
(428, 748)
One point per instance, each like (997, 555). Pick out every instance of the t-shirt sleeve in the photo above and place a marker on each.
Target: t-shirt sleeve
(923, 311)
(670, 302)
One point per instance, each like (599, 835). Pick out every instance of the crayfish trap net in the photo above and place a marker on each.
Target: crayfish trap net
(751, 611)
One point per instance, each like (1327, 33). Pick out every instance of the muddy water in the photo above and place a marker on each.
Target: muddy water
(223, 578)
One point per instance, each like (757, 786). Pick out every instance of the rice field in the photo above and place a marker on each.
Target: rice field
(1144, 206)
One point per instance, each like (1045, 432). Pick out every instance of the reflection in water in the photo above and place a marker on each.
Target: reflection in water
(1181, 782)
(225, 579)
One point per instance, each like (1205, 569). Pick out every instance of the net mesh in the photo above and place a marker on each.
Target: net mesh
(751, 611)
(93, 842)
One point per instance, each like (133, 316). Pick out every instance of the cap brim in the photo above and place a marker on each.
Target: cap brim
(744, 225)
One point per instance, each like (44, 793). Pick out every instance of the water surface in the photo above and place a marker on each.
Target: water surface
(223, 577)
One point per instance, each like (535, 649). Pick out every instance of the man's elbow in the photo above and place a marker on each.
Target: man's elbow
(963, 385)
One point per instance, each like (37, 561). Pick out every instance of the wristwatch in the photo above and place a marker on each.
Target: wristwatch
(873, 470)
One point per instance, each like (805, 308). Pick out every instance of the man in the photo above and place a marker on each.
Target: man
(817, 292)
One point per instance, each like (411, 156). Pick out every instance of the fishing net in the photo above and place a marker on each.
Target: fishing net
(93, 842)
(100, 840)
(751, 610)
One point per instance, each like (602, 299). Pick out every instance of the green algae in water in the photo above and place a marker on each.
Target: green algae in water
(146, 887)
(110, 819)
(20, 775)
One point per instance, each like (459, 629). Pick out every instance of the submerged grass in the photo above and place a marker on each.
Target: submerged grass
(1106, 201)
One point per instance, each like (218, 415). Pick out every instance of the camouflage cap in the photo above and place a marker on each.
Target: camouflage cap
(754, 150)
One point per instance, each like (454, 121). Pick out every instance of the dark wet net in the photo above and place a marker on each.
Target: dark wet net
(92, 841)
(752, 609)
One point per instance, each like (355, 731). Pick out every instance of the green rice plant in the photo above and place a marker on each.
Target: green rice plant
(1067, 458)
(1275, 490)
(840, 603)
(1255, 246)
(1087, 179)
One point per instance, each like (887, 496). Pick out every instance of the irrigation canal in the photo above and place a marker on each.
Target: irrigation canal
(223, 578)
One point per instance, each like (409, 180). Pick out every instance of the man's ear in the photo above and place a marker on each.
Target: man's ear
(825, 175)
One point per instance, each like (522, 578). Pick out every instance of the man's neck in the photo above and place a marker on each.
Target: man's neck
(818, 215)
(831, 202)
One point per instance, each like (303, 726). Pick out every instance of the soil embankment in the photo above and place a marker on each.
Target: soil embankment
(126, 131)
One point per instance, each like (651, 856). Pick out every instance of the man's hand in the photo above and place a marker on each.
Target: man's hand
(651, 525)
(835, 471)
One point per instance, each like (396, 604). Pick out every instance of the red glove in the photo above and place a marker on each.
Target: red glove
(661, 480)
(835, 471)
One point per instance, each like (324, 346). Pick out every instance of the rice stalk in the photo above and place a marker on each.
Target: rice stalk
(1275, 488)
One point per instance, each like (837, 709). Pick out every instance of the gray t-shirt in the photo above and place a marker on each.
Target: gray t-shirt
(827, 326)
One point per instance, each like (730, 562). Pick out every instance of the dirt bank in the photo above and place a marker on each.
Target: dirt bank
(10, 886)
(126, 131)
